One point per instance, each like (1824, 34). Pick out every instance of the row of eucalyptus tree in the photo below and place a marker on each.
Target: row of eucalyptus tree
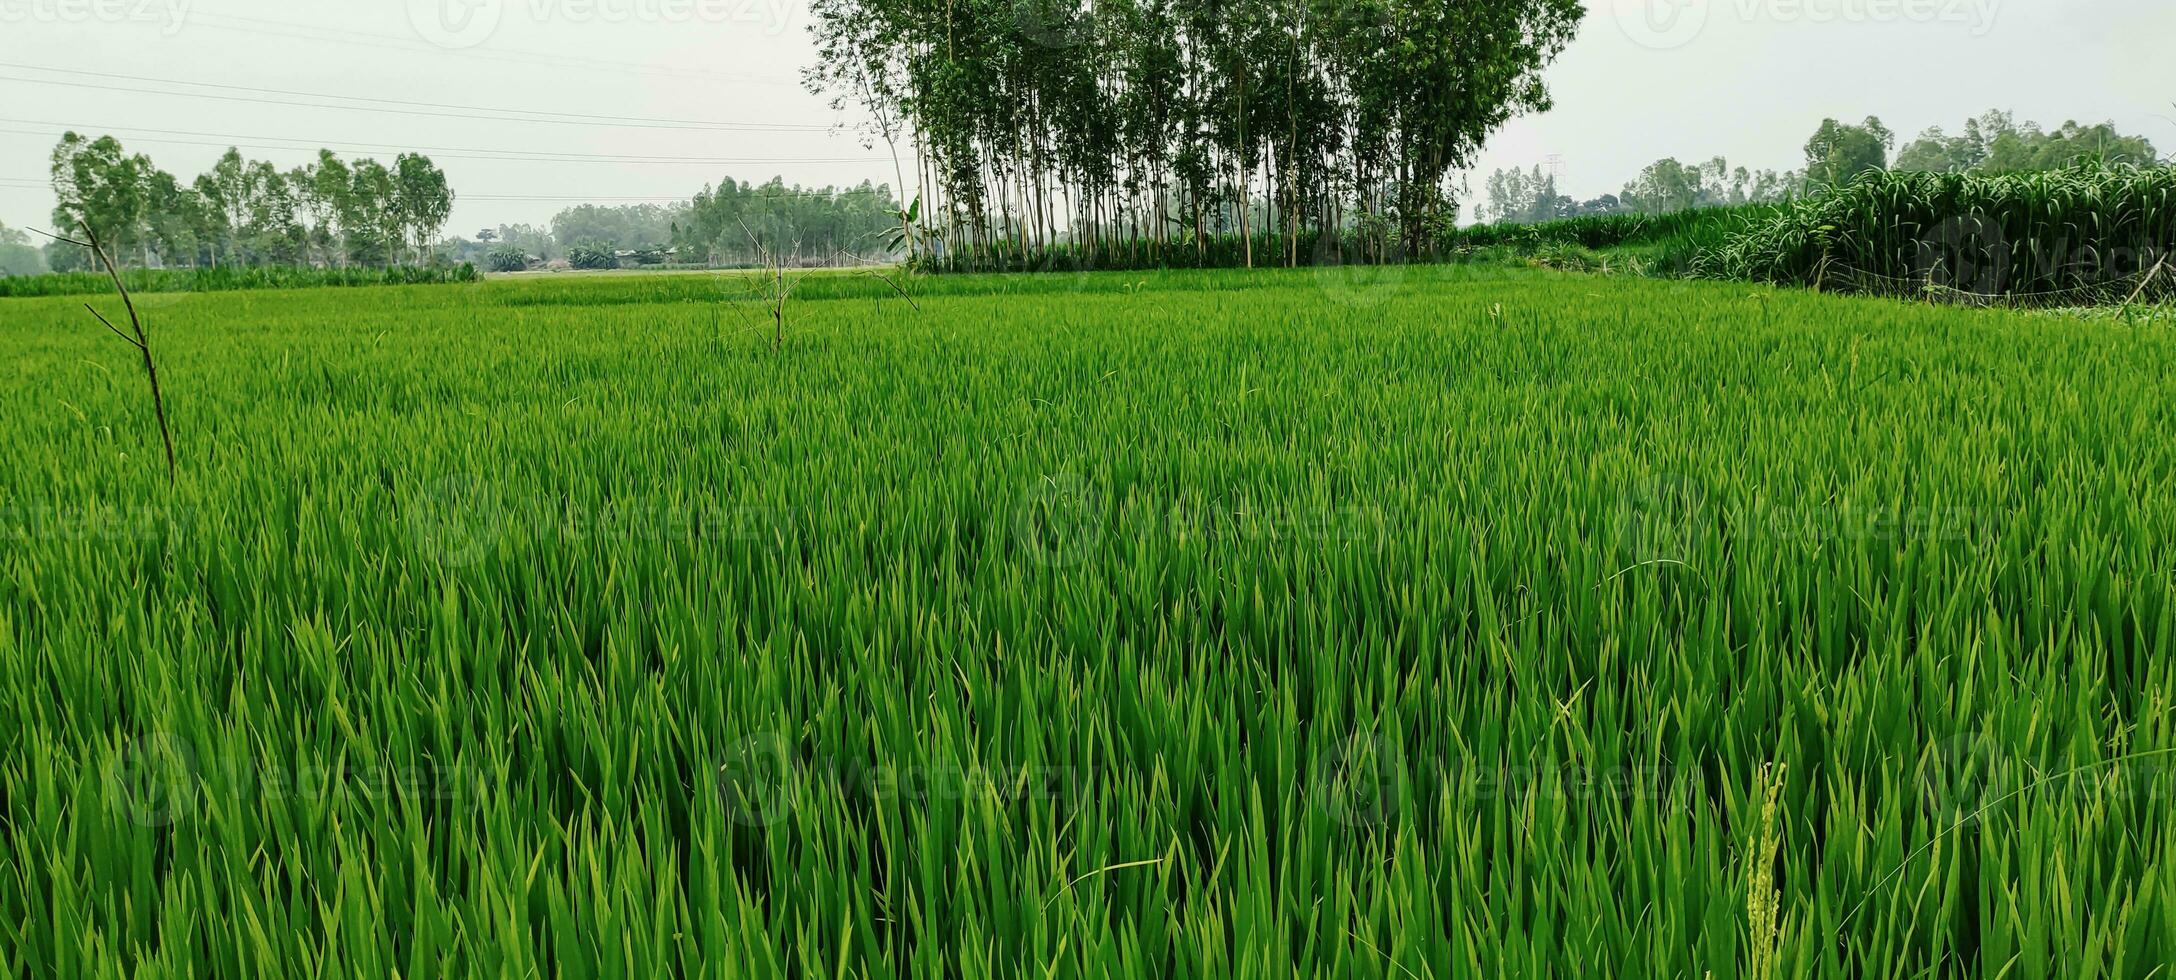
(1132, 131)
(242, 212)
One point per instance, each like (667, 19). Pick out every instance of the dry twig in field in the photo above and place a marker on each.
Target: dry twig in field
(136, 337)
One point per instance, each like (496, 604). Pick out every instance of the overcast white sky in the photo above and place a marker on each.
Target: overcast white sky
(1746, 79)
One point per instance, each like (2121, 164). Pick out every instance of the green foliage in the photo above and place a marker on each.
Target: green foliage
(1839, 152)
(2048, 236)
(507, 258)
(250, 213)
(1663, 187)
(1667, 185)
(228, 278)
(18, 256)
(1241, 625)
(629, 226)
(829, 226)
(1665, 245)
(1144, 125)
(534, 240)
(592, 255)
(1997, 143)
(1518, 197)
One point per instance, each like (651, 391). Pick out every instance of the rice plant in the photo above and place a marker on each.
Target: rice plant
(1188, 624)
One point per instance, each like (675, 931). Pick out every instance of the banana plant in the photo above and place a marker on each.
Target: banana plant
(912, 237)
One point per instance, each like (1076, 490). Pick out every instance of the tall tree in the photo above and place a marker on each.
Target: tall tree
(369, 216)
(1840, 151)
(1997, 143)
(422, 201)
(18, 257)
(98, 182)
(1134, 129)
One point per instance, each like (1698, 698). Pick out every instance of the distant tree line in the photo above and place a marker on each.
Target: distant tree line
(721, 226)
(1994, 143)
(1527, 197)
(822, 226)
(247, 212)
(18, 257)
(1134, 126)
(638, 227)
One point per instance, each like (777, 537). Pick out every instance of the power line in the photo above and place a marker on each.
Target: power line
(446, 152)
(504, 55)
(787, 195)
(406, 107)
(588, 117)
(756, 193)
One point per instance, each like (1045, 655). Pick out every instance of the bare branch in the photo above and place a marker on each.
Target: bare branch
(142, 343)
(109, 325)
(897, 288)
(61, 238)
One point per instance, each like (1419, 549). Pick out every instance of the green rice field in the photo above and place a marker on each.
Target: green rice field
(1323, 623)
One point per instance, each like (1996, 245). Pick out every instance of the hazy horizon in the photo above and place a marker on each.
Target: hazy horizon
(1744, 79)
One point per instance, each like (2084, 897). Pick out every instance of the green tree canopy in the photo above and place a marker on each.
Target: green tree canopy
(1840, 151)
(18, 256)
(1141, 123)
(1997, 143)
(249, 212)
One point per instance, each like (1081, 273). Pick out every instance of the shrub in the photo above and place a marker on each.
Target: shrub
(507, 258)
(592, 255)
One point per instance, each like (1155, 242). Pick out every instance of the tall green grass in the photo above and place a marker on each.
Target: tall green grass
(2066, 237)
(1325, 623)
(225, 278)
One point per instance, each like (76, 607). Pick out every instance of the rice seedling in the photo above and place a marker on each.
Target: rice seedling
(1170, 624)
